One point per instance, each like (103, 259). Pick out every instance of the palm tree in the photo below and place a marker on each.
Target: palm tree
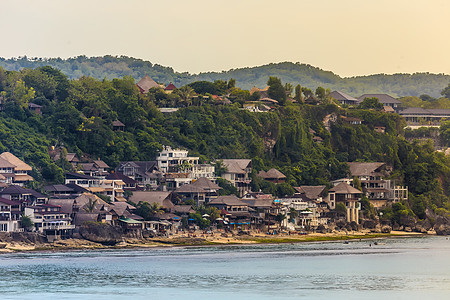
(185, 93)
(292, 214)
(90, 206)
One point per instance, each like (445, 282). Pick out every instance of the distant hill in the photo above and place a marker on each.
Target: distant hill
(110, 67)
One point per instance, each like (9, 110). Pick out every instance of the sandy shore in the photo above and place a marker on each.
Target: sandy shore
(200, 240)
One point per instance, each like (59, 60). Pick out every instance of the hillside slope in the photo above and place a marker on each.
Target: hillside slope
(111, 67)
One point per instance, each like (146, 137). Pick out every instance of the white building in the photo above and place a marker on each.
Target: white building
(174, 158)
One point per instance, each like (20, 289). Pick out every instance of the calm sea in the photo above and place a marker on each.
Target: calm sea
(397, 268)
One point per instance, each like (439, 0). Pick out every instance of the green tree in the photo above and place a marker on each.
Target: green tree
(341, 210)
(90, 206)
(147, 210)
(293, 213)
(186, 93)
(21, 94)
(444, 133)
(369, 103)
(298, 93)
(26, 223)
(446, 92)
(276, 90)
(227, 187)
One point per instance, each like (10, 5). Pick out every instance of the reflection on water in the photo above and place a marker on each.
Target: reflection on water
(401, 268)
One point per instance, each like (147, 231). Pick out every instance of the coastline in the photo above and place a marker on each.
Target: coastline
(204, 240)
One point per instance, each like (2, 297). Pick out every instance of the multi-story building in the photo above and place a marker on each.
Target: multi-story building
(175, 160)
(10, 215)
(237, 172)
(14, 170)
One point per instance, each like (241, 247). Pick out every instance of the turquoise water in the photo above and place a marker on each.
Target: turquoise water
(398, 268)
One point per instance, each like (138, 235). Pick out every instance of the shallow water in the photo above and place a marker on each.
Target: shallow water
(397, 268)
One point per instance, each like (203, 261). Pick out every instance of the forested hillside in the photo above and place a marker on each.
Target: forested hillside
(110, 67)
(77, 115)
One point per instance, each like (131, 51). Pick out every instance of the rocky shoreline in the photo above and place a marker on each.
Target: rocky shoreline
(23, 242)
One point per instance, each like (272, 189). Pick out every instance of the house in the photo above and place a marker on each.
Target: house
(163, 199)
(344, 98)
(145, 173)
(130, 184)
(146, 83)
(26, 196)
(351, 120)
(82, 180)
(256, 107)
(312, 100)
(64, 190)
(97, 168)
(50, 220)
(72, 158)
(201, 191)
(35, 108)
(417, 115)
(175, 160)
(10, 215)
(172, 181)
(170, 88)
(110, 188)
(313, 192)
(380, 129)
(381, 192)
(273, 175)
(262, 209)
(234, 208)
(347, 195)
(6, 171)
(384, 99)
(201, 171)
(118, 126)
(238, 173)
(20, 169)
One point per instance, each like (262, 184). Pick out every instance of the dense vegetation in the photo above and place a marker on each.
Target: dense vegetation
(78, 115)
(110, 67)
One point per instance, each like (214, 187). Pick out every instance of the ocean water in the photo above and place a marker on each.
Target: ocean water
(396, 268)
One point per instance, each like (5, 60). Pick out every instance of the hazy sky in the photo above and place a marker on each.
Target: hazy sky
(348, 37)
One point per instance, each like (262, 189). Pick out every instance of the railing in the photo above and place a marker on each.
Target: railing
(57, 227)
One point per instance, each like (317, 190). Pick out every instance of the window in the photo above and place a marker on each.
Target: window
(3, 227)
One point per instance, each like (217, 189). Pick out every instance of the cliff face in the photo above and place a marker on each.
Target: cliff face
(23, 237)
(101, 233)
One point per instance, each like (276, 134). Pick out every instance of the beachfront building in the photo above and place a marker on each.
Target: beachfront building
(10, 215)
(50, 220)
(347, 195)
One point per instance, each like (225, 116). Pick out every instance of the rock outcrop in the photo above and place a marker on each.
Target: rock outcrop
(101, 233)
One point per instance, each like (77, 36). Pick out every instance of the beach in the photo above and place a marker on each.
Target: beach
(202, 239)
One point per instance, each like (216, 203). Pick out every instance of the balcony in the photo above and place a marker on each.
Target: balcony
(58, 227)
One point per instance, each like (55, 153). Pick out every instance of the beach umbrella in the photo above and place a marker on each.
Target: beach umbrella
(205, 216)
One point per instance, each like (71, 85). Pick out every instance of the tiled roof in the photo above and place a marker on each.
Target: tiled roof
(206, 184)
(340, 96)
(311, 191)
(228, 200)
(364, 168)
(170, 87)
(11, 158)
(161, 198)
(146, 83)
(343, 188)
(271, 174)
(382, 98)
(236, 166)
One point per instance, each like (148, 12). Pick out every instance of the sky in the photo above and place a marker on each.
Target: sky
(347, 37)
